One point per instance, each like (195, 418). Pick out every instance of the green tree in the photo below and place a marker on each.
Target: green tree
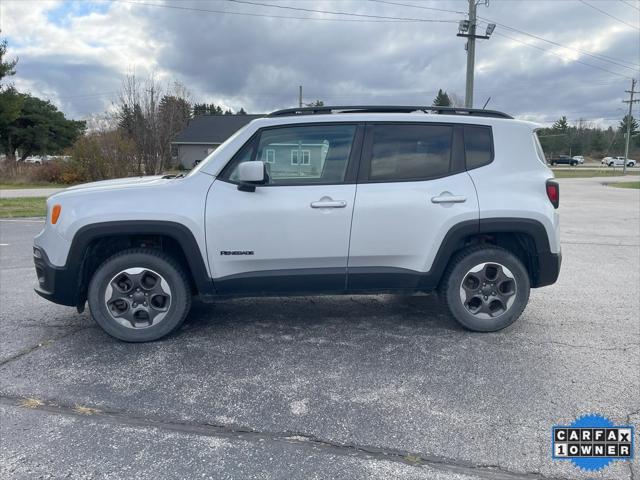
(624, 123)
(39, 128)
(10, 103)
(200, 109)
(598, 143)
(7, 67)
(561, 124)
(442, 99)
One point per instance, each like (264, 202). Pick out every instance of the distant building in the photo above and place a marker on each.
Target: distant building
(204, 133)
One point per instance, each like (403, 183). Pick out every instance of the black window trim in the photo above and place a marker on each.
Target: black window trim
(464, 149)
(351, 173)
(456, 164)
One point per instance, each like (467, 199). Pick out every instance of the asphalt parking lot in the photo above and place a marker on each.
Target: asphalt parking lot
(329, 387)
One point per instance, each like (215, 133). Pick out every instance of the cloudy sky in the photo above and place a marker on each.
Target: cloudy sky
(76, 53)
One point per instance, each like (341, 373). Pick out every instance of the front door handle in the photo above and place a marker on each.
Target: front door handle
(329, 204)
(446, 197)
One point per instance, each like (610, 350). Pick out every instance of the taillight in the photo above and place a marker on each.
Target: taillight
(553, 192)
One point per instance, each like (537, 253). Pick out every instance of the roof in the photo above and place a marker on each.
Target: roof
(213, 129)
(389, 109)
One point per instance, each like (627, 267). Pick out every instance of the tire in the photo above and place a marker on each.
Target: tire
(630, 164)
(573, 164)
(511, 275)
(611, 164)
(148, 295)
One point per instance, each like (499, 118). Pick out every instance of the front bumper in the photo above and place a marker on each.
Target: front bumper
(56, 284)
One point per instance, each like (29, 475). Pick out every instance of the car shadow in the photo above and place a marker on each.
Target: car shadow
(417, 313)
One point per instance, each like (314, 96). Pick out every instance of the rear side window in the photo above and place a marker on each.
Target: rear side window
(478, 146)
(410, 152)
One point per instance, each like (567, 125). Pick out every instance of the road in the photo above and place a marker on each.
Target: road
(28, 192)
(329, 387)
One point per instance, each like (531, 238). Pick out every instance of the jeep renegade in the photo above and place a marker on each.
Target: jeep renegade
(322, 200)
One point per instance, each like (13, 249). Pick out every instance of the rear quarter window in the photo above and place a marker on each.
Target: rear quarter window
(539, 149)
(478, 146)
(409, 152)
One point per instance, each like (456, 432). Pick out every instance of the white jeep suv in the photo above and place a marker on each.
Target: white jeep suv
(322, 200)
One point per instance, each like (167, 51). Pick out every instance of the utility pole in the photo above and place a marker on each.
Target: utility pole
(471, 55)
(300, 96)
(467, 28)
(631, 101)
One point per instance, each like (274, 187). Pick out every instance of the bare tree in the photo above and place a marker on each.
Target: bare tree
(151, 115)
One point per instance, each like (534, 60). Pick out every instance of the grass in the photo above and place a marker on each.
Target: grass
(591, 173)
(31, 403)
(635, 185)
(23, 207)
(24, 185)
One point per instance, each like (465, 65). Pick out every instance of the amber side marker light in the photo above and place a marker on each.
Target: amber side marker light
(55, 213)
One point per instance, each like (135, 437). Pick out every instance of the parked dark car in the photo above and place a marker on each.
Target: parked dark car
(563, 160)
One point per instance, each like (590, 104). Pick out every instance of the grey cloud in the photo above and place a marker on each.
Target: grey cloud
(258, 63)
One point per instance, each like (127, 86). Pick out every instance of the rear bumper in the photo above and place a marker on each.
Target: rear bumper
(548, 269)
(56, 284)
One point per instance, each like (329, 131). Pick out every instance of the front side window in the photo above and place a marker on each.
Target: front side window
(478, 146)
(410, 152)
(306, 154)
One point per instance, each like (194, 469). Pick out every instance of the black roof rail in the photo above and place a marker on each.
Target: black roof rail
(475, 112)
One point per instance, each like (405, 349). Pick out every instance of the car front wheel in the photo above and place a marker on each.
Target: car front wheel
(139, 295)
(486, 288)
(611, 164)
(630, 164)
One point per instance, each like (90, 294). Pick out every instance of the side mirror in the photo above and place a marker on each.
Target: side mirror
(251, 174)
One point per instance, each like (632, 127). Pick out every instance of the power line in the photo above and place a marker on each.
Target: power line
(604, 12)
(602, 58)
(560, 56)
(630, 4)
(329, 12)
(87, 95)
(248, 14)
(422, 7)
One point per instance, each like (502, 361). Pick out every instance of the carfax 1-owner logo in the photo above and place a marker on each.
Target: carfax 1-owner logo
(592, 442)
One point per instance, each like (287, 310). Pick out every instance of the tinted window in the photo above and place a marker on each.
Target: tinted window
(305, 154)
(410, 152)
(478, 146)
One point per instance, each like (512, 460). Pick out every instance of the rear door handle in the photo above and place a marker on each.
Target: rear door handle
(448, 198)
(329, 204)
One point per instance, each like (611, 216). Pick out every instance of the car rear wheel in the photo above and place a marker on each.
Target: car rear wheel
(486, 288)
(573, 164)
(630, 164)
(139, 295)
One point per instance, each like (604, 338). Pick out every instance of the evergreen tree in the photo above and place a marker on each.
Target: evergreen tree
(624, 123)
(561, 124)
(442, 99)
